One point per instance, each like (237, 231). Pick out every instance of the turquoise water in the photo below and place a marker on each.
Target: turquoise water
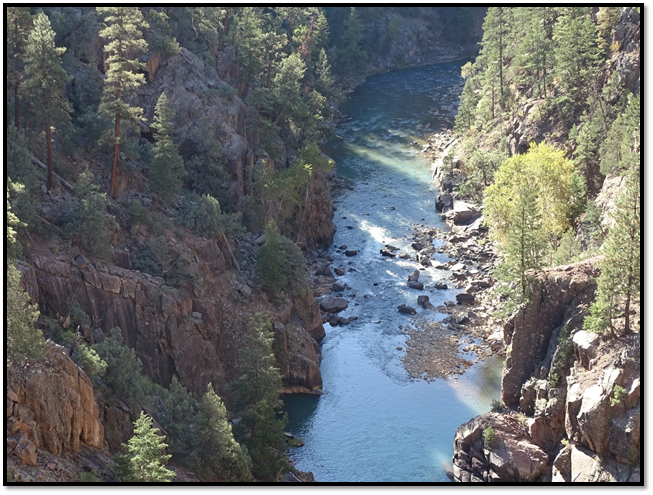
(374, 424)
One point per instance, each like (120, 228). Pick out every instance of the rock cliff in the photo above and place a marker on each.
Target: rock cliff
(573, 397)
(195, 331)
(51, 412)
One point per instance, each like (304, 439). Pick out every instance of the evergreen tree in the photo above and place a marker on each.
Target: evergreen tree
(524, 243)
(44, 82)
(144, 461)
(24, 341)
(466, 116)
(87, 224)
(216, 453)
(324, 82)
(123, 374)
(534, 59)
(257, 401)
(269, 268)
(620, 279)
(178, 416)
(491, 57)
(352, 57)
(620, 149)
(167, 166)
(160, 40)
(19, 23)
(287, 85)
(250, 44)
(576, 56)
(123, 34)
(20, 169)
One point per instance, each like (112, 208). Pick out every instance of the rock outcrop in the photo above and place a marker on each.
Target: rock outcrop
(50, 406)
(194, 332)
(557, 294)
(578, 394)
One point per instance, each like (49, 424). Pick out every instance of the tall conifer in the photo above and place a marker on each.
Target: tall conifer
(44, 81)
(167, 167)
(124, 38)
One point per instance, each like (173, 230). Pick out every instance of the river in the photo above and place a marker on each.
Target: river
(374, 424)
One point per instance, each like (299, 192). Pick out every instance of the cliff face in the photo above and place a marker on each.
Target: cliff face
(194, 332)
(52, 421)
(575, 396)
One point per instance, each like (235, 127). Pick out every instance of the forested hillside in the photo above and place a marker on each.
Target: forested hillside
(549, 144)
(165, 190)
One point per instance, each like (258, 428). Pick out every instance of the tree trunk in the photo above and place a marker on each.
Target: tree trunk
(116, 152)
(48, 138)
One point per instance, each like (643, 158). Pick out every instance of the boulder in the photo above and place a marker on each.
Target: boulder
(334, 320)
(406, 309)
(465, 298)
(337, 287)
(561, 471)
(414, 277)
(584, 465)
(415, 285)
(351, 252)
(26, 451)
(340, 271)
(387, 252)
(421, 300)
(511, 457)
(332, 304)
(441, 286)
(443, 202)
(585, 346)
(463, 213)
(428, 305)
(417, 246)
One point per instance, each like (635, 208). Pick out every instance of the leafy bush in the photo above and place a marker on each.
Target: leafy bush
(153, 257)
(497, 405)
(489, 435)
(89, 360)
(619, 395)
(203, 215)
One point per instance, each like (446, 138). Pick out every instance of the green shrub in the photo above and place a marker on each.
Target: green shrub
(89, 360)
(87, 224)
(153, 258)
(280, 265)
(497, 405)
(123, 373)
(203, 215)
(619, 395)
(489, 435)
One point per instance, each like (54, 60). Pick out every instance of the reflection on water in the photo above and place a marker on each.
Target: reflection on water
(372, 423)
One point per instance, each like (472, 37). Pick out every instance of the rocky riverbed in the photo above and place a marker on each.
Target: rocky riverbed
(468, 332)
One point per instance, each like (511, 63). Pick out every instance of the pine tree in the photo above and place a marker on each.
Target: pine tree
(250, 45)
(178, 416)
(19, 23)
(287, 85)
(44, 82)
(270, 270)
(257, 401)
(620, 279)
(491, 57)
(124, 37)
(24, 341)
(466, 116)
(533, 62)
(215, 452)
(576, 54)
(167, 166)
(324, 82)
(88, 222)
(352, 57)
(144, 461)
(524, 244)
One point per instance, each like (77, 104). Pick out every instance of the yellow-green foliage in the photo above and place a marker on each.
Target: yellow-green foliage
(543, 170)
